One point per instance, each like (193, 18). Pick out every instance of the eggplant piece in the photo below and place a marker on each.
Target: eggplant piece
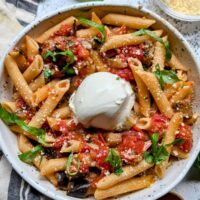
(62, 179)
(79, 188)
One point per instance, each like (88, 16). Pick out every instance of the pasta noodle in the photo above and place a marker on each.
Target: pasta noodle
(18, 80)
(129, 21)
(124, 187)
(128, 172)
(34, 69)
(32, 48)
(175, 122)
(125, 40)
(158, 95)
(143, 94)
(69, 21)
(50, 104)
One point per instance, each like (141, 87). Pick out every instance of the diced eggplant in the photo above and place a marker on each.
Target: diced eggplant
(50, 153)
(79, 188)
(62, 179)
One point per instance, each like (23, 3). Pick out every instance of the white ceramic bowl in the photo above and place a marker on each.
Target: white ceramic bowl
(175, 173)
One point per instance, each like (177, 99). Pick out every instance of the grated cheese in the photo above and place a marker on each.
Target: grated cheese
(188, 7)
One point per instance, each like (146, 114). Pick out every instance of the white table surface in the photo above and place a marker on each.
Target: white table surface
(189, 188)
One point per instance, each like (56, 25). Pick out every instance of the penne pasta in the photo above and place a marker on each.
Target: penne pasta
(159, 55)
(34, 69)
(174, 63)
(125, 187)
(39, 162)
(62, 113)
(153, 85)
(181, 94)
(53, 165)
(32, 48)
(37, 83)
(9, 106)
(18, 80)
(90, 32)
(49, 105)
(69, 21)
(143, 93)
(174, 124)
(129, 21)
(128, 172)
(117, 41)
(42, 93)
(71, 146)
(100, 66)
(177, 152)
(19, 59)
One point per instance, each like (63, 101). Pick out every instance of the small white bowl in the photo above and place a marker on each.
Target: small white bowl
(177, 15)
(180, 47)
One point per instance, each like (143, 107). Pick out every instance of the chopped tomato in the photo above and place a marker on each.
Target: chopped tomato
(98, 151)
(132, 146)
(123, 73)
(132, 51)
(63, 31)
(159, 123)
(79, 50)
(184, 132)
(66, 125)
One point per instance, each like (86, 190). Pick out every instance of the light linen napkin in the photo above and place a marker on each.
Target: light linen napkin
(12, 186)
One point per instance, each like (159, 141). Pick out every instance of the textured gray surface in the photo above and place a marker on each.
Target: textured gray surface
(189, 188)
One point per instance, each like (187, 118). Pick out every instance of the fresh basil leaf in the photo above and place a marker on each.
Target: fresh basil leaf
(47, 74)
(165, 76)
(66, 68)
(11, 118)
(166, 44)
(69, 163)
(148, 157)
(51, 54)
(29, 156)
(158, 153)
(54, 54)
(161, 154)
(178, 141)
(99, 27)
(169, 76)
(114, 159)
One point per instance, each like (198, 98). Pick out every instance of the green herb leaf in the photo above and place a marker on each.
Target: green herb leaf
(178, 141)
(54, 54)
(29, 156)
(47, 74)
(69, 163)
(69, 70)
(166, 44)
(114, 159)
(99, 27)
(11, 118)
(158, 152)
(165, 76)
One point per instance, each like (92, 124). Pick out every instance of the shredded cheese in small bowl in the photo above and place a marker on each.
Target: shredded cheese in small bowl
(181, 9)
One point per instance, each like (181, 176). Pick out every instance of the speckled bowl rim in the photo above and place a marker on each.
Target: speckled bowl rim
(33, 183)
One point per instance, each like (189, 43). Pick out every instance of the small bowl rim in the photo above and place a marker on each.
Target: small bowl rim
(4, 147)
